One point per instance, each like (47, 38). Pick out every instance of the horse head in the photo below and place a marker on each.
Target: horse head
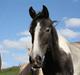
(43, 35)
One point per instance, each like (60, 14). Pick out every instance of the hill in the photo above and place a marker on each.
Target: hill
(10, 71)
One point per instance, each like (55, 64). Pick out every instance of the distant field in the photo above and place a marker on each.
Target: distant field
(10, 71)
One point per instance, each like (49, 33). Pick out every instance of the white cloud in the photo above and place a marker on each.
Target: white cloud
(21, 59)
(69, 33)
(3, 50)
(25, 33)
(72, 22)
(23, 42)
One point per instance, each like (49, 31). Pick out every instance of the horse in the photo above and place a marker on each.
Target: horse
(49, 51)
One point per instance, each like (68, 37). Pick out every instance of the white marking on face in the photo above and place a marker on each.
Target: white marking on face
(36, 48)
(63, 43)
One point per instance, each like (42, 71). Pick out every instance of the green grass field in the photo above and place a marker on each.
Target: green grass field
(10, 71)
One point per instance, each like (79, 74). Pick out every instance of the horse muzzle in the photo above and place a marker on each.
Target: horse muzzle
(37, 62)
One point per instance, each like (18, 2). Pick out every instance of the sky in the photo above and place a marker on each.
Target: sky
(15, 22)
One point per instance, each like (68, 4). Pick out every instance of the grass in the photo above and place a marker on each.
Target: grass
(10, 71)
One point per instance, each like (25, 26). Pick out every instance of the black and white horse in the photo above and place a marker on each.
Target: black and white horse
(48, 51)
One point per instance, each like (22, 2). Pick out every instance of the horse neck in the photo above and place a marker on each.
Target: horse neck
(50, 65)
(53, 49)
(51, 55)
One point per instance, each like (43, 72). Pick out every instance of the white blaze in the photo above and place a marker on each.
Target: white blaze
(36, 47)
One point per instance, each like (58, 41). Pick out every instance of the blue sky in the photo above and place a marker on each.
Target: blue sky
(15, 22)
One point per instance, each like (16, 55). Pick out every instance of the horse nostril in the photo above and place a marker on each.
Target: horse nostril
(38, 59)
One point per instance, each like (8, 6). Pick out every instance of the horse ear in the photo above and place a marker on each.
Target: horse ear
(32, 12)
(45, 12)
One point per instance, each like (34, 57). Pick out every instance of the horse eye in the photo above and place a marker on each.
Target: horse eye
(47, 29)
